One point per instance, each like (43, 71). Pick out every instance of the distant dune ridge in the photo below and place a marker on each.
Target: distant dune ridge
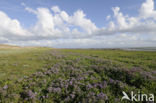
(8, 46)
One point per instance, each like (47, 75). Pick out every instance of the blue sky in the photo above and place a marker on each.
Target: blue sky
(96, 10)
(101, 21)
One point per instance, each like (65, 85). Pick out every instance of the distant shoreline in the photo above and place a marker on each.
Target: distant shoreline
(117, 48)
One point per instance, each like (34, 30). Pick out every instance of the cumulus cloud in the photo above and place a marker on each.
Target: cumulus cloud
(56, 9)
(133, 25)
(108, 17)
(59, 23)
(30, 10)
(23, 4)
(11, 28)
(79, 19)
(45, 23)
(55, 27)
(147, 9)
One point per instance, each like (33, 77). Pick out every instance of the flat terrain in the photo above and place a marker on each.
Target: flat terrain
(46, 75)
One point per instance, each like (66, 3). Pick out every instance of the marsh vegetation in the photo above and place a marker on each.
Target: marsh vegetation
(46, 75)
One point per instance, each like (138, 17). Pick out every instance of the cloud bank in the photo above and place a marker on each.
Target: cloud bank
(56, 28)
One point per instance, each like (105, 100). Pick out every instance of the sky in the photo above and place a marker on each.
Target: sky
(78, 23)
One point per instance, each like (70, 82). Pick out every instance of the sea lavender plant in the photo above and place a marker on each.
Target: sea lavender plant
(102, 96)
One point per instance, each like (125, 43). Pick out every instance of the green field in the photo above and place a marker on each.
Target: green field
(46, 75)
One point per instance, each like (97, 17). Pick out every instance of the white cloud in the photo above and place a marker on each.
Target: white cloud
(64, 16)
(111, 26)
(121, 19)
(56, 9)
(45, 23)
(55, 27)
(80, 20)
(30, 10)
(11, 28)
(108, 17)
(147, 9)
(23, 4)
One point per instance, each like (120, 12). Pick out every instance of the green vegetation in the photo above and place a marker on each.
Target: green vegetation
(46, 75)
(17, 62)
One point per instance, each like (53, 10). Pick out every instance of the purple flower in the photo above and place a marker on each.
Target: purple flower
(26, 99)
(80, 78)
(32, 84)
(100, 85)
(117, 82)
(71, 82)
(47, 96)
(91, 94)
(111, 81)
(154, 72)
(5, 87)
(43, 97)
(89, 86)
(31, 95)
(72, 96)
(67, 99)
(66, 86)
(135, 69)
(104, 84)
(147, 75)
(44, 81)
(39, 74)
(56, 90)
(95, 85)
(47, 72)
(122, 85)
(102, 96)
(50, 89)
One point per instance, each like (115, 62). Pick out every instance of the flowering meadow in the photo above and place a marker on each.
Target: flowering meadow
(44, 75)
